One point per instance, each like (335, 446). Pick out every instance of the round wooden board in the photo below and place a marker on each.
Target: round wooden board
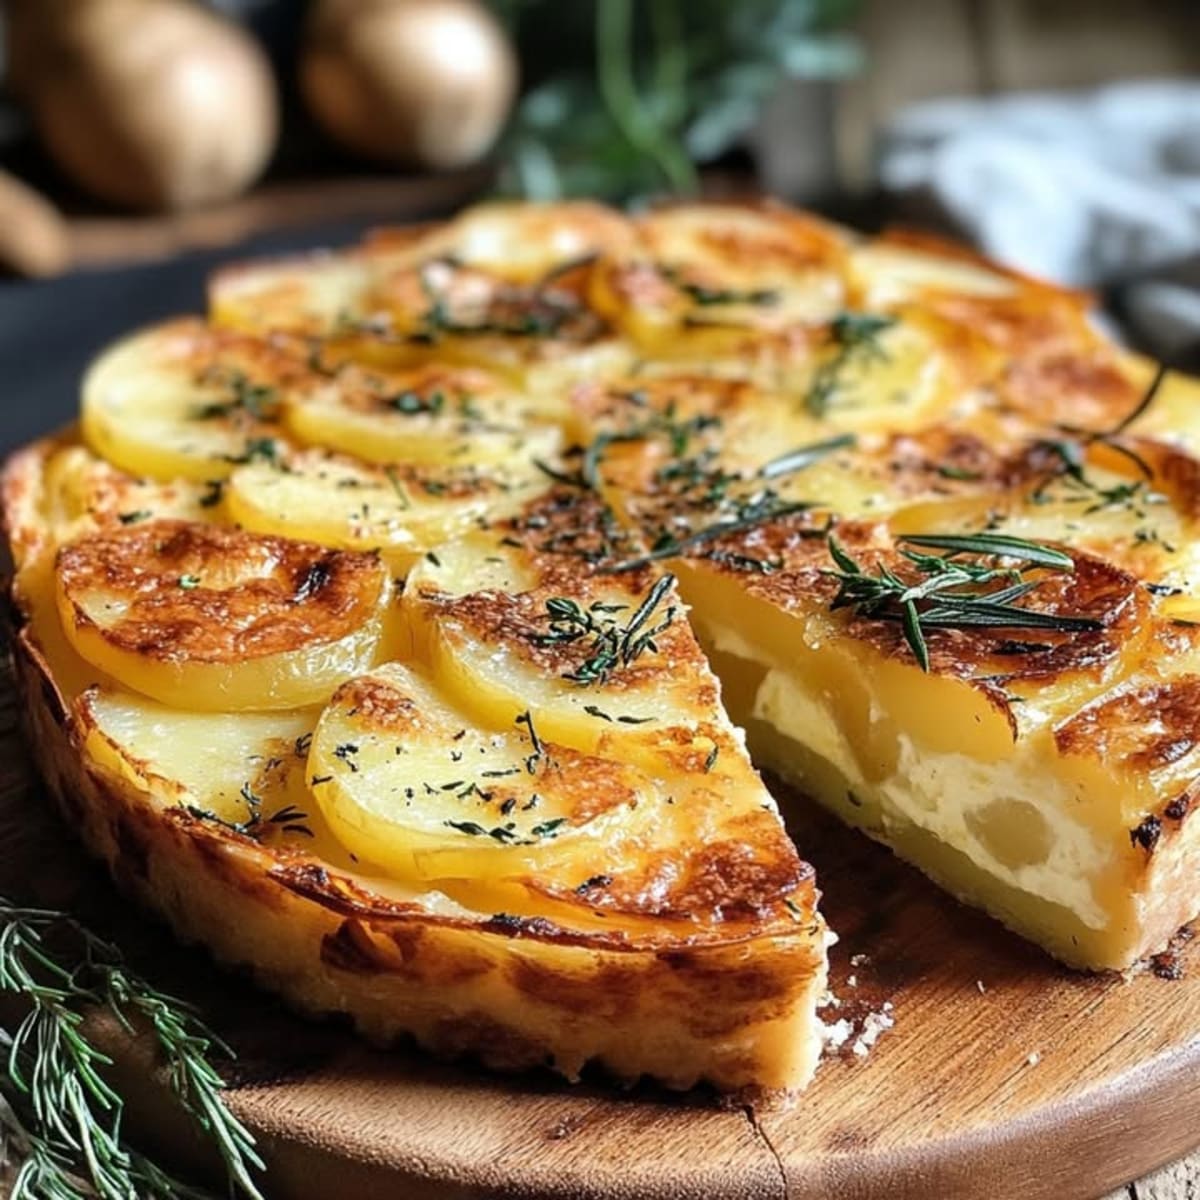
(1004, 1075)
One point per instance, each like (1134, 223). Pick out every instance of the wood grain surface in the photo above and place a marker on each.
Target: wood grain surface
(1004, 1075)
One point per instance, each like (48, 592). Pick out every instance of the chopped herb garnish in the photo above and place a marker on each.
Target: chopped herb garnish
(264, 448)
(393, 478)
(854, 336)
(949, 471)
(346, 752)
(705, 296)
(612, 644)
(130, 518)
(189, 582)
(412, 403)
(212, 497)
(759, 512)
(1071, 452)
(539, 751)
(244, 395)
(570, 480)
(539, 311)
(678, 432)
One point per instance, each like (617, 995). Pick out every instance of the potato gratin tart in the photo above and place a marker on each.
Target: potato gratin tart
(371, 628)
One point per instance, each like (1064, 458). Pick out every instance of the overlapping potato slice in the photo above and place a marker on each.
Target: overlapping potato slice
(700, 277)
(402, 510)
(901, 267)
(598, 660)
(407, 780)
(182, 400)
(504, 285)
(212, 619)
(56, 490)
(1133, 503)
(243, 769)
(429, 414)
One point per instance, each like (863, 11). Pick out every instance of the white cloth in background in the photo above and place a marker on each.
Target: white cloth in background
(1097, 189)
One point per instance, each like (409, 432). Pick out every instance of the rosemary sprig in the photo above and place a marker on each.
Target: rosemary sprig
(59, 1112)
(936, 597)
(855, 336)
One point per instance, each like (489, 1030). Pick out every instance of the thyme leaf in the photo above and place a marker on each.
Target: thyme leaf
(612, 645)
(855, 336)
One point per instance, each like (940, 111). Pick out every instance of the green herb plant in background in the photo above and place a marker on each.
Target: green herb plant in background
(625, 98)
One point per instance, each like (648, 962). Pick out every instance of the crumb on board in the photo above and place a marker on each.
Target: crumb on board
(858, 1035)
(874, 1023)
(835, 1034)
(1033, 1059)
(979, 985)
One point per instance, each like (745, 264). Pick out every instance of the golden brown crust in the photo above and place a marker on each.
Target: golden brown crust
(206, 594)
(399, 969)
(1139, 730)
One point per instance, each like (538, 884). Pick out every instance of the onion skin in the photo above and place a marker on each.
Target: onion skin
(148, 104)
(426, 83)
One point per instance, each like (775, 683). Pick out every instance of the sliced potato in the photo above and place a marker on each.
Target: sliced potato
(184, 400)
(403, 511)
(57, 490)
(887, 273)
(214, 619)
(703, 276)
(430, 414)
(596, 661)
(227, 764)
(406, 781)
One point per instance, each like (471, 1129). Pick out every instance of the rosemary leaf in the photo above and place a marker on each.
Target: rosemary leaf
(999, 544)
(805, 456)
